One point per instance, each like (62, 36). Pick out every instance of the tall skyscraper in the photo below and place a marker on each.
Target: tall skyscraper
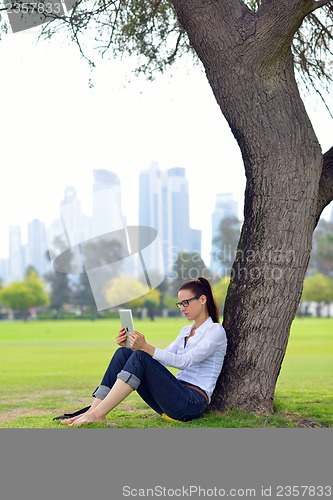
(4, 270)
(225, 206)
(78, 225)
(36, 250)
(106, 203)
(16, 260)
(66, 233)
(105, 179)
(164, 205)
(177, 213)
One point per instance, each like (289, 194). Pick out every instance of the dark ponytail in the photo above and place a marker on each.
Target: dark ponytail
(201, 286)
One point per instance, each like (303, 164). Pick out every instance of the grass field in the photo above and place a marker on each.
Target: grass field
(51, 367)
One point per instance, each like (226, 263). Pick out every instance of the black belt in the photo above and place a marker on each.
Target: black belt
(195, 388)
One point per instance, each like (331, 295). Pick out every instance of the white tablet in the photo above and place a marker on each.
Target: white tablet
(126, 319)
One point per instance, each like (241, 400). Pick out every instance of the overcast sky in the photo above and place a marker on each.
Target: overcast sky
(59, 120)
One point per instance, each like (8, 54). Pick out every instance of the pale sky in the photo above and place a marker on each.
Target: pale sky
(55, 129)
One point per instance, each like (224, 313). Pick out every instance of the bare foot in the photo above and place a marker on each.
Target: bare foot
(86, 418)
(67, 421)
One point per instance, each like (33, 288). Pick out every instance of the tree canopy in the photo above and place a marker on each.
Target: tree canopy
(150, 29)
(20, 296)
(318, 288)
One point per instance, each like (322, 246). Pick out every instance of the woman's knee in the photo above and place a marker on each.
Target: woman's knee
(122, 354)
(141, 356)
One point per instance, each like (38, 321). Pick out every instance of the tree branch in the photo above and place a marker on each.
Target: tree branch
(316, 4)
(279, 20)
(234, 8)
(228, 11)
(325, 195)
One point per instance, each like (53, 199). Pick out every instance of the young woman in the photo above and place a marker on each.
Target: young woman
(198, 352)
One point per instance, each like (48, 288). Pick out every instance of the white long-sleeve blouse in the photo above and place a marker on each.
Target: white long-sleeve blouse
(200, 361)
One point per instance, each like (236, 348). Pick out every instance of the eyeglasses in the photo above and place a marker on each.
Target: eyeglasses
(185, 303)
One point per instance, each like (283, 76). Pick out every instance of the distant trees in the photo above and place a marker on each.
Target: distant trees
(318, 284)
(220, 291)
(318, 288)
(65, 289)
(322, 252)
(82, 295)
(225, 245)
(187, 266)
(118, 294)
(151, 301)
(61, 292)
(21, 296)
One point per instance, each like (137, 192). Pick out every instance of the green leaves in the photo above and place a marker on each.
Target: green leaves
(318, 288)
(21, 296)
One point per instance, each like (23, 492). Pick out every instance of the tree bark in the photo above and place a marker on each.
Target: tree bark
(249, 66)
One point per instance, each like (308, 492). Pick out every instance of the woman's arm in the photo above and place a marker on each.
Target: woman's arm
(213, 340)
(138, 343)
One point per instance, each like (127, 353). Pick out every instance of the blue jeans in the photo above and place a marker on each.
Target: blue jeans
(156, 385)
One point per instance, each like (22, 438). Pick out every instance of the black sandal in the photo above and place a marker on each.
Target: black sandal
(71, 415)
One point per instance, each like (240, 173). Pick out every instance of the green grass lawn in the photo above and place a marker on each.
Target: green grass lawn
(51, 367)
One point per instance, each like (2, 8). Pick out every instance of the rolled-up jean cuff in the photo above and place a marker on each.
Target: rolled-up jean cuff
(101, 392)
(129, 378)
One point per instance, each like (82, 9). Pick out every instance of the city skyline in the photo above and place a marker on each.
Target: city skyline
(164, 205)
(34, 245)
(199, 215)
(80, 226)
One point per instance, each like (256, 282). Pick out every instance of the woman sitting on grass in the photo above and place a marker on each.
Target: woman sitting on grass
(198, 352)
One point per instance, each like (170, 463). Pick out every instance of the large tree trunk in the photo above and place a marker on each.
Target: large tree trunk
(250, 69)
(283, 164)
